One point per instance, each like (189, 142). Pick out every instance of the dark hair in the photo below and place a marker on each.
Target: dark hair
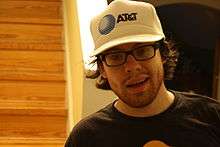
(169, 53)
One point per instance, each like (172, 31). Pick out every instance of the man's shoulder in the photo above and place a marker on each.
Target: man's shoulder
(197, 103)
(87, 123)
(87, 127)
(194, 98)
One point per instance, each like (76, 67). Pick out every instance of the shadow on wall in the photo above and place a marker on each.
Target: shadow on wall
(196, 29)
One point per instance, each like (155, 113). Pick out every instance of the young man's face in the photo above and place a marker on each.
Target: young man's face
(136, 83)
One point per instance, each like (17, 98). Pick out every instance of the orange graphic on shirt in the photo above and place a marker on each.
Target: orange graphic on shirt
(155, 143)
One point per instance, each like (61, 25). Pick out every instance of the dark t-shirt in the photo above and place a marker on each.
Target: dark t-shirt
(191, 121)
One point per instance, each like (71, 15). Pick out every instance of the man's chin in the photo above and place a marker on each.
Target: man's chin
(142, 104)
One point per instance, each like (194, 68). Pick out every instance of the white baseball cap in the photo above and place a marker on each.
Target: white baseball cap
(125, 21)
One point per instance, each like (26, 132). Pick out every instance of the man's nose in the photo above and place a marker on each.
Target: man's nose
(132, 65)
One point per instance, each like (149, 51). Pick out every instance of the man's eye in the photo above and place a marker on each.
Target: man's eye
(117, 56)
(145, 51)
(140, 51)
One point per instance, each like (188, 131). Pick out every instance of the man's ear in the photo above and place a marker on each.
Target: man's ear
(102, 70)
(164, 60)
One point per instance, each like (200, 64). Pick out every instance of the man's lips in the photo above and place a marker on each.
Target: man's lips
(137, 81)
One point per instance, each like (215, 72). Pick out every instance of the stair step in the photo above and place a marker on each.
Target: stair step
(32, 142)
(35, 123)
(31, 104)
(12, 111)
(32, 91)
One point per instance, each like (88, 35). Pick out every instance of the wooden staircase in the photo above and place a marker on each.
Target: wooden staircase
(32, 86)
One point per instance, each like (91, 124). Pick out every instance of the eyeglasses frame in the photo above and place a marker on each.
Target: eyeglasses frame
(156, 46)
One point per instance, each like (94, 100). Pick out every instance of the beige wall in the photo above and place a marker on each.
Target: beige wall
(74, 65)
(93, 98)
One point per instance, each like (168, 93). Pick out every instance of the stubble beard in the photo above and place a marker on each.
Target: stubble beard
(144, 99)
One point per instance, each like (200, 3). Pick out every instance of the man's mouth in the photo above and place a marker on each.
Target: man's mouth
(137, 83)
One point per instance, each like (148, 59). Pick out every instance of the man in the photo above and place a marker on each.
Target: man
(130, 53)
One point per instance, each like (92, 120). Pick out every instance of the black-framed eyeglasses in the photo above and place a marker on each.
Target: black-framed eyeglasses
(140, 53)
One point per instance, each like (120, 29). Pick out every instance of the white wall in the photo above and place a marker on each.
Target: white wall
(73, 62)
(93, 98)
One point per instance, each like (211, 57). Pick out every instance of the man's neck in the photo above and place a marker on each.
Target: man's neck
(161, 103)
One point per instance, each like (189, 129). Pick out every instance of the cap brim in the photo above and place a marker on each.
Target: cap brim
(128, 39)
